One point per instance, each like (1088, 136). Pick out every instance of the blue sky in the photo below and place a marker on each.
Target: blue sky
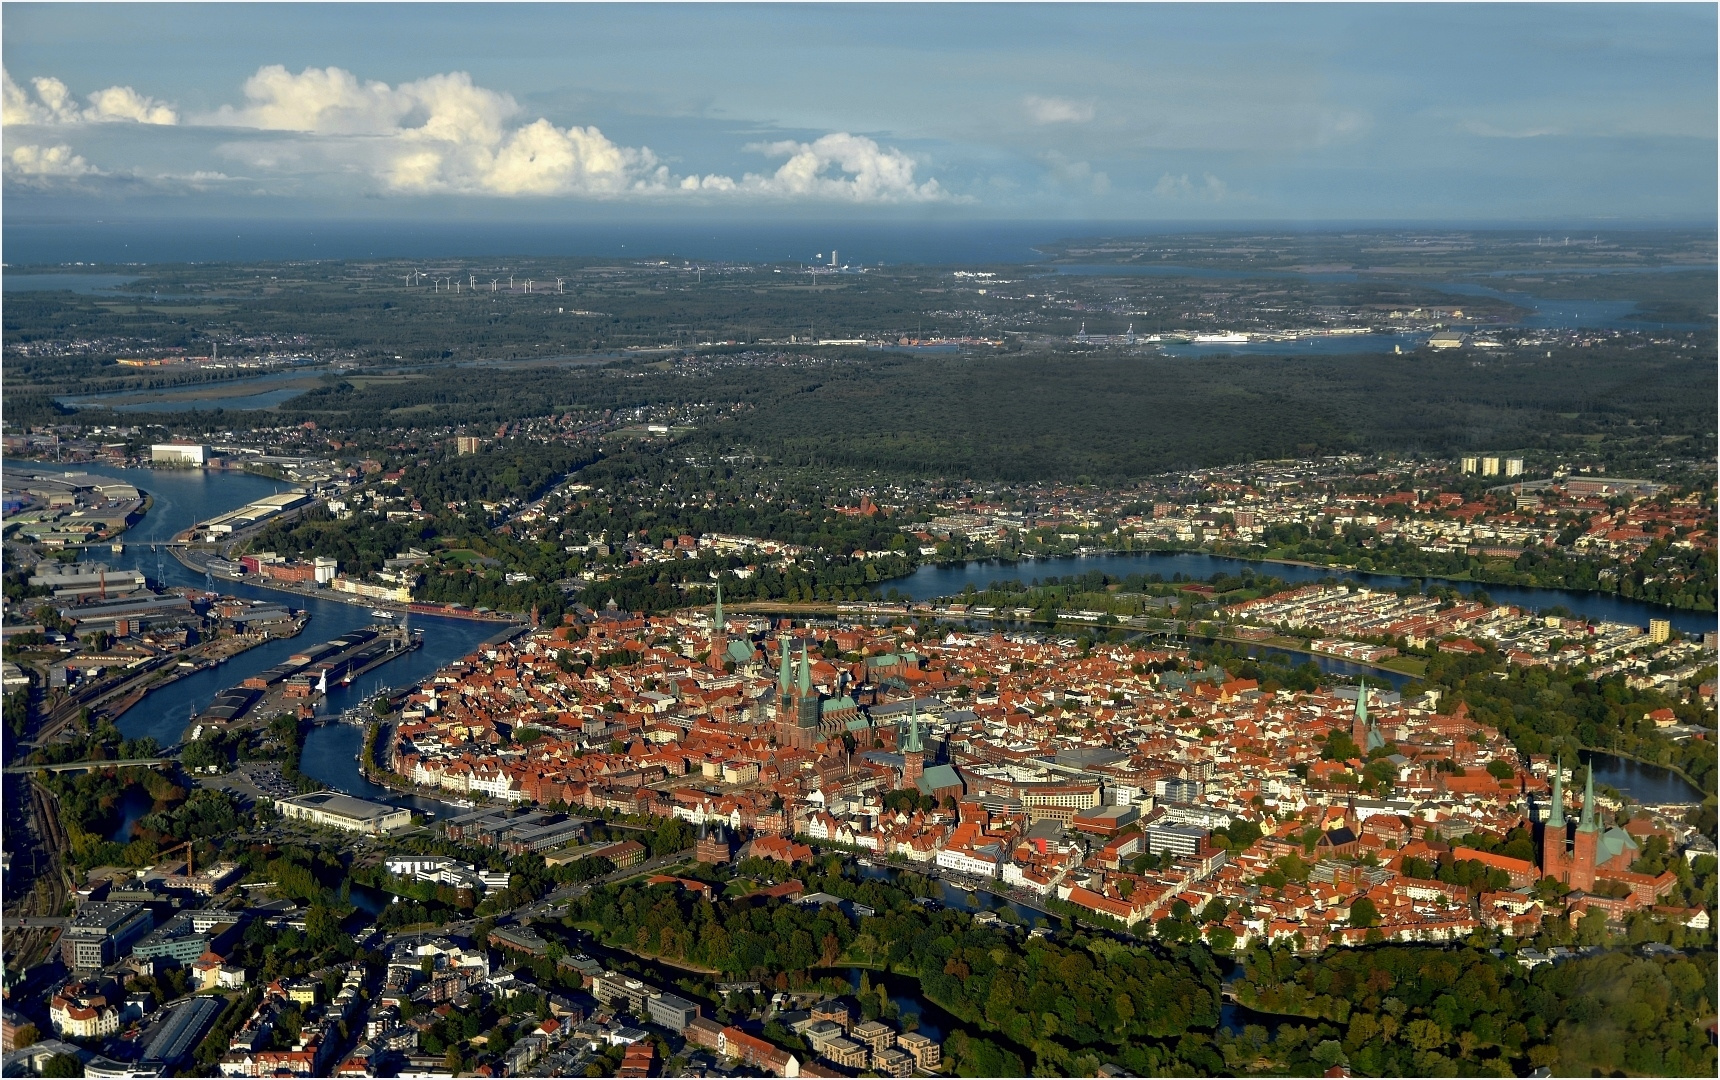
(641, 112)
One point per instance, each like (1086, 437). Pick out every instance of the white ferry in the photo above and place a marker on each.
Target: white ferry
(379, 613)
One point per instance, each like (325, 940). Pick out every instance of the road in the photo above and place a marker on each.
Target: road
(84, 766)
(544, 906)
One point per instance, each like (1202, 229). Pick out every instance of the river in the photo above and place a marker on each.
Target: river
(934, 580)
(182, 498)
(267, 391)
(1650, 784)
(961, 900)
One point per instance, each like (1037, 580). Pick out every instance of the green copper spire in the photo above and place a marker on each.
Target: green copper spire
(1589, 823)
(1362, 702)
(782, 679)
(1556, 820)
(805, 682)
(913, 746)
(717, 615)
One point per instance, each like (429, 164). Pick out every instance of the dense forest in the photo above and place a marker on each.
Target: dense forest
(1400, 1011)
(1063, 1006)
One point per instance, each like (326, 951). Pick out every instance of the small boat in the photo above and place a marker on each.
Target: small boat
(379, 613)
(118, 548)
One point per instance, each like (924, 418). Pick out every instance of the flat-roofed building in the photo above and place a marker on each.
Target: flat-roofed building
(671, 1011)
(339, 811)
(100, 933)
(928, 1052)
(846, 1053)
(876, 1036)
(1176, 839)
(893, 1062)
(179, 453)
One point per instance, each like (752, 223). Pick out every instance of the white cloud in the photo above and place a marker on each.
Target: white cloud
(1051, 110)
(119, 103)
(445, 134)
(54, 104)
(41, 163)
(1488, 131)
(863, 172)
(1076, 173)
(437, 134)
(1209, 187)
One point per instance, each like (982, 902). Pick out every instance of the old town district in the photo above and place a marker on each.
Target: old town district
(1124, 781)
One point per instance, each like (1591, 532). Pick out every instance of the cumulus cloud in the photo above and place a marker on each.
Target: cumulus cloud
(32, 163)
(54, 103)
(438, 134)
(840, 166)
(1209, 187)
(446, 134)
(1051, 110)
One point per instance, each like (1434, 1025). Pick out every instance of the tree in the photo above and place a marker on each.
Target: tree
(1363, 913)
(26, 1035)
(1500, 769)
(63, 1065)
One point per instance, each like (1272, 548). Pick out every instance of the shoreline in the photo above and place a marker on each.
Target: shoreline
(1338, 570)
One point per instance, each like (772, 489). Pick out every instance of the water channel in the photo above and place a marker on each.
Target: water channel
(1650, 784)
(934, 580)
(184, 497)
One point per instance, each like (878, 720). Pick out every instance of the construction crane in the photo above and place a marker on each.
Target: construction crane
(188, 855)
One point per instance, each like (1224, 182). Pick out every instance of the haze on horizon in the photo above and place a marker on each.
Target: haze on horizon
(599, 113)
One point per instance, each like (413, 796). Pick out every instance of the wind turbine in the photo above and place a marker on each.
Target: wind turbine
(492, 284)
(559, 282)
(528, 284)
(510, 283)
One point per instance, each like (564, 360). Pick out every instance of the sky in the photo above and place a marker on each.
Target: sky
(591, 112)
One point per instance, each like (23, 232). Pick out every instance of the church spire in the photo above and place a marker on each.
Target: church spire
(1362, 704)
(1556, 819)
(1589, 822)
(782, 680)
(805, 681)
(717, 615)
(913, 745)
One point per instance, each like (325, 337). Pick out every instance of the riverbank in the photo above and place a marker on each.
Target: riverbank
(185, 557)
(1668, 768)
(931, 581)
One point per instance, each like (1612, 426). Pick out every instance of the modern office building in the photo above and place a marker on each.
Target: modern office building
(100, 933)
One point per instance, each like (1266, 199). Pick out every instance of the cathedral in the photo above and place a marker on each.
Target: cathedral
(1364, 732)
(803, 717)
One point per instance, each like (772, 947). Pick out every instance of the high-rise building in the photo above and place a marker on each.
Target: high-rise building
(1489, 466)
(1470, 464)
(468, 444)
(1659, 630)
(1513, 466)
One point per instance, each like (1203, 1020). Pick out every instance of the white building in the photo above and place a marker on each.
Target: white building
(80, 1017)
(179, 454)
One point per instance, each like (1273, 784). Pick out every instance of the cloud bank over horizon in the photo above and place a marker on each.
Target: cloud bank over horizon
(1119, 112)
(443, 134)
